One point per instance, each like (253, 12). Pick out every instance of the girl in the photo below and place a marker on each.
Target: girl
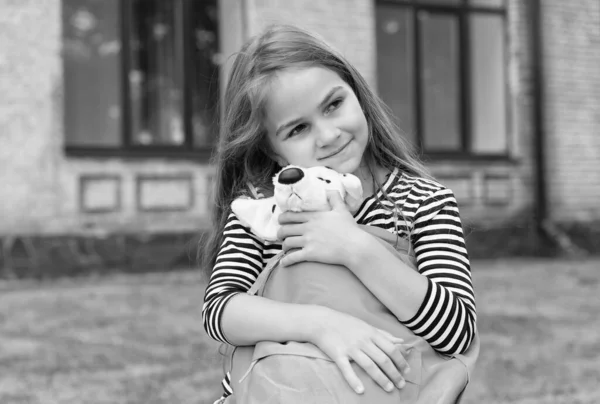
(291, 99)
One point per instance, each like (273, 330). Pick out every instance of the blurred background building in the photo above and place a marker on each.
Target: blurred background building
(108, 109)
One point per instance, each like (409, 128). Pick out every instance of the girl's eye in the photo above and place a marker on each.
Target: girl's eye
(334, 105)
(297, 130)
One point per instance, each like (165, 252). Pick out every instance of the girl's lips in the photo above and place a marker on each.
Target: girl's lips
(336, 152)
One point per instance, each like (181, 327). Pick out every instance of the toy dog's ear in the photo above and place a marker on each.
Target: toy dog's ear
(354, 191)
(261, 215)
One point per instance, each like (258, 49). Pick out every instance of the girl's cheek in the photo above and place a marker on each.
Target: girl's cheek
(357, 118)
(356, 110)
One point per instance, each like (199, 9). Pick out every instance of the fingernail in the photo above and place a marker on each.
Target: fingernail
(401, 384)
(389, 387)
(407, 370)
(360, 389)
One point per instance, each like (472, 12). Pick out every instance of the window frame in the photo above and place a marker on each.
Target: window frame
(462, 10)
(128, 148)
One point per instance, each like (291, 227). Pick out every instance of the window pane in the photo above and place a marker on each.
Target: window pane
(487, 3)
(156, 72)
(395, 71)
(439, 79)
(205, 92)
(92, 75)
(488, 117)
(443, 2)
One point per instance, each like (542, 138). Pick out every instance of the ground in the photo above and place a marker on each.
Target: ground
(138, 338)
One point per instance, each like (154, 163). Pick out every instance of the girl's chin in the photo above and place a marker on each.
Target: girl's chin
(349, 166)
(346, 166)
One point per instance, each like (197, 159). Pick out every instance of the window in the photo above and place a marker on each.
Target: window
(141, 76)
(441, 69)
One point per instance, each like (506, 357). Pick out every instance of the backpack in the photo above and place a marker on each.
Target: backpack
(295, 372)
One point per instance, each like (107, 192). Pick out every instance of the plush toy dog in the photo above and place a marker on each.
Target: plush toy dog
(298, 190)
(299, 372)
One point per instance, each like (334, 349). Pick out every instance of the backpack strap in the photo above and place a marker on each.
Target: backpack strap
(263, 277)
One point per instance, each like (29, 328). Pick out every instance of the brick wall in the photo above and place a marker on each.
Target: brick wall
(572, 77)
(30, 84)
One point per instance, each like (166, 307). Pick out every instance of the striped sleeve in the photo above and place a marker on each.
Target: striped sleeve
(447, 317)
(240, 259)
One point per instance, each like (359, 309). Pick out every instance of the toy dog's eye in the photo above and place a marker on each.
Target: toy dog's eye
(323, 179)
(273, 209)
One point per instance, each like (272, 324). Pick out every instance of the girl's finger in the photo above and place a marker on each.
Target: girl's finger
(350, 375)
(294, 217)
(397, 355)
(290, 230)
(292, 242)
(293, 257)
(387, 365)
(395, 340)
(373, 370)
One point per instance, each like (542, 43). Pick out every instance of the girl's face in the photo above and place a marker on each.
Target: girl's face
(313, 118)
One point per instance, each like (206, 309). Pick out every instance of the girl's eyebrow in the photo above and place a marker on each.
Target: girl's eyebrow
(321, 106)
(328, 96)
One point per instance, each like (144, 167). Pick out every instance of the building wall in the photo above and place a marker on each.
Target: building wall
(348, 25)
(572, 110)
(30, 85)
(46, 192)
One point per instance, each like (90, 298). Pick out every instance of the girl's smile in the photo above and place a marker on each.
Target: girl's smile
(337, 152)
(313, 118)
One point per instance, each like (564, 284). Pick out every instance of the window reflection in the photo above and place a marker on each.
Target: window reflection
(156, 72)
(488, 84)
(439, 78)
(204, 77)
(395, 70)
(92, 73)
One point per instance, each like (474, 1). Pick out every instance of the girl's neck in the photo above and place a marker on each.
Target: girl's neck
(366, 178)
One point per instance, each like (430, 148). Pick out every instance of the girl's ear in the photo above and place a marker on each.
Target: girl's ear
(280, 160)
(354, 191)
(260, 215)
(277, 158)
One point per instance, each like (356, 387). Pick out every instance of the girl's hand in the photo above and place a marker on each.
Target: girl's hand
(345, 338)
(325, 237)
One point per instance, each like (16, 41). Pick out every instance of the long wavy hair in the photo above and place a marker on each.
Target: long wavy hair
(242, 155)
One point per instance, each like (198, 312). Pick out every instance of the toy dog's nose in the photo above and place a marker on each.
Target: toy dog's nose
(290, 176)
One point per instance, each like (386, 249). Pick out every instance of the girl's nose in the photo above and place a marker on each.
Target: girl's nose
(290, 176)
(328, 135)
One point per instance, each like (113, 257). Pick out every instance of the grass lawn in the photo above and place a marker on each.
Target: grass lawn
(138, 339)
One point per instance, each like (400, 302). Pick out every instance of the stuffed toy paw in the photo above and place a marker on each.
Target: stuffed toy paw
(297, 189)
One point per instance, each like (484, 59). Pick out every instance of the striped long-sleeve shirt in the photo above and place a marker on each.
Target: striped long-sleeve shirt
(428, 215)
